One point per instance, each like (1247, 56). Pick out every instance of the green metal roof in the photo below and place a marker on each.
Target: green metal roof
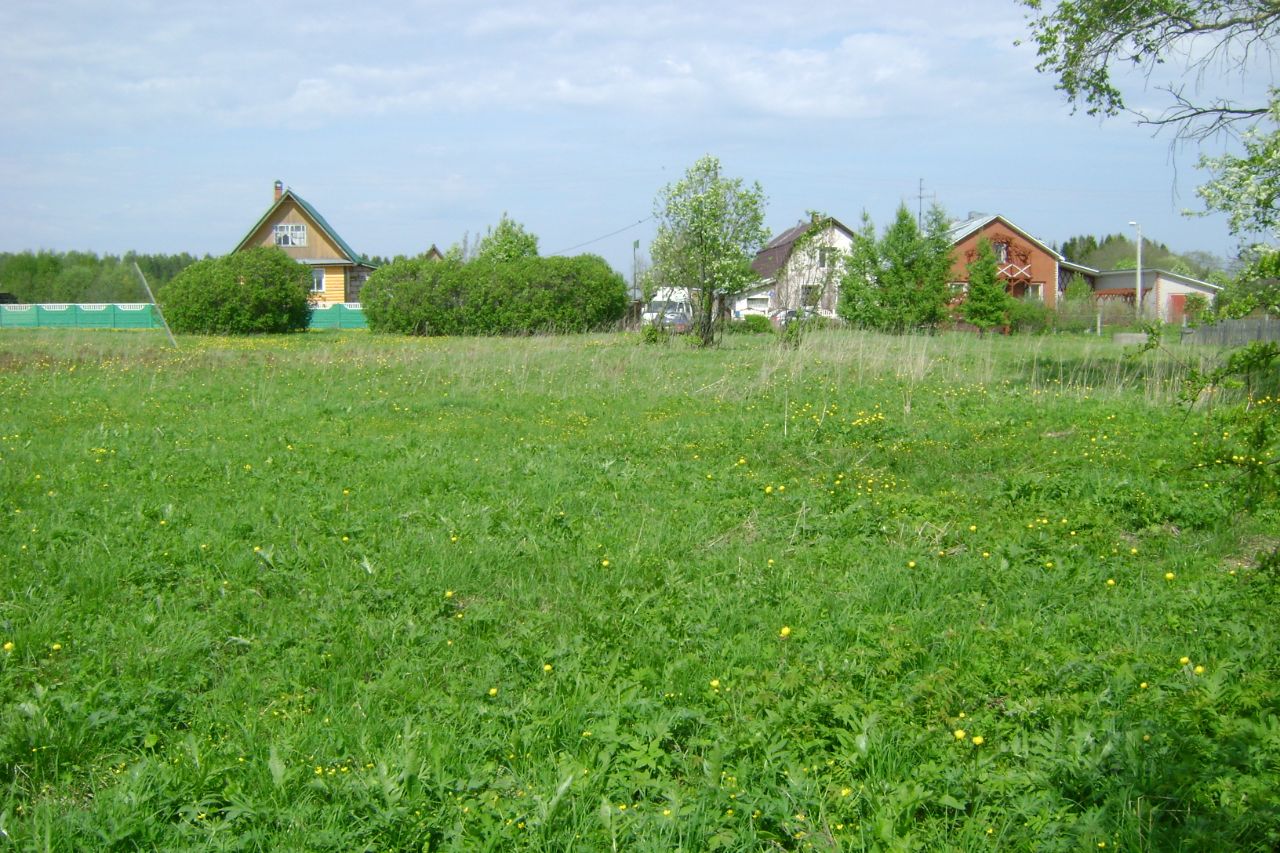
(352, 255)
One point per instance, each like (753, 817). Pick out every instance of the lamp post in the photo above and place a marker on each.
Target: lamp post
(1137, 288)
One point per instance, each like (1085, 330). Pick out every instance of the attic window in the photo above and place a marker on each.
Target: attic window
(1002, 252)
(291, 234)
(825, 255)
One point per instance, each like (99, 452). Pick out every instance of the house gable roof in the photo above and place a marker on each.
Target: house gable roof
(775, 254)
(314, 215)
(961, 230)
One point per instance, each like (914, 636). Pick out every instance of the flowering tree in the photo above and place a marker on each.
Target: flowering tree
(709, 229)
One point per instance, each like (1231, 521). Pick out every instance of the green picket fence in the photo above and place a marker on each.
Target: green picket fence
(141, 315)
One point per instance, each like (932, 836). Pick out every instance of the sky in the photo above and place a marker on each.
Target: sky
(161, 126)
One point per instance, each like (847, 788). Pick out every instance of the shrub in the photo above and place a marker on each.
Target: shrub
(1029, 316)
(1076, 309)
(752, 324)
(416, 296)
(257, 291)
(484, 297)
(655, 334)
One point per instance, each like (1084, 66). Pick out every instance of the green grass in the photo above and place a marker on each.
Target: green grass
(342, 592)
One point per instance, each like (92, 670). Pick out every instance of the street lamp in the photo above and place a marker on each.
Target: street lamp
(1137, 288)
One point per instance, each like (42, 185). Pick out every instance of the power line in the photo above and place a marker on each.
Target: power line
(605, 237)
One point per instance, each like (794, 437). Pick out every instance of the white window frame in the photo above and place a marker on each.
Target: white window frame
(1036, 289)
(317, 280)
(291, 234)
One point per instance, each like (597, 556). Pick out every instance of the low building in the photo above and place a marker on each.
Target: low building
(338, 272)
(1164, 293)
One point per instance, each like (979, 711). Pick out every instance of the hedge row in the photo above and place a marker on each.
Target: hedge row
(421, 296)
(257, 291)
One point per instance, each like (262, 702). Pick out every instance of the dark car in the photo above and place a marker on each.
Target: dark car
(675, 320)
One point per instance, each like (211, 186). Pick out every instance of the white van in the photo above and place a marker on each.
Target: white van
(666, 303)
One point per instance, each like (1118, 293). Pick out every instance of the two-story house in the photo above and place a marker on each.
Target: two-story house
(800, 268)
(1029, 267)
(337, 271)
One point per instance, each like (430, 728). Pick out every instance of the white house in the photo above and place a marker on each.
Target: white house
(800, 268)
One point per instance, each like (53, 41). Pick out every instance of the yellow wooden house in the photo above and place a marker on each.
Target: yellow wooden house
(337, 271)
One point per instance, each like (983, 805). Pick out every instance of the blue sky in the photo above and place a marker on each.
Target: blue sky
(160, 127)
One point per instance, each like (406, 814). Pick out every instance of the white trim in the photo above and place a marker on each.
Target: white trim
(290, 234)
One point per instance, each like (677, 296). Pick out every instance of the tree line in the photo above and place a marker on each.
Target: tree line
(45, 276)
(1120, 252)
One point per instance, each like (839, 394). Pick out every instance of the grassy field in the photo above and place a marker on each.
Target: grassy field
(340, 592)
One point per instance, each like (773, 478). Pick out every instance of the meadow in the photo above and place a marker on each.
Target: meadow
(336, 591)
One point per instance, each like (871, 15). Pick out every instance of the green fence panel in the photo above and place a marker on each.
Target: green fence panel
(136, 315)
(141, 315)
(340, 315)
(19, 316)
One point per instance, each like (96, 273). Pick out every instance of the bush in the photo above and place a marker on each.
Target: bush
(1029, 316)
(257, 291)
(655, 334)
(416, 296)
(752, 324)
(483, 297)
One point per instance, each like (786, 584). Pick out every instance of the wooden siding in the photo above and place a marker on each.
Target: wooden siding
(335, 281)
(318, 247)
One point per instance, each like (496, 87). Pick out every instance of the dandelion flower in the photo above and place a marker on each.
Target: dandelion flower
(493, 691)
(911, 564)
(57, 647)
(1169, 576)
(715, 684)
(978, 740)
(1143, 686)
(1184, 660)
(1199, 670)
(785, 632)
(546, 667)
(960, 734)
(604, 563)
(8, 647)
(1111, 581)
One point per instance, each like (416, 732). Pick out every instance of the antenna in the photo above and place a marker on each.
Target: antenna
(920, 197)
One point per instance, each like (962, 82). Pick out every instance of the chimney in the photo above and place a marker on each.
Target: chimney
(279, 189)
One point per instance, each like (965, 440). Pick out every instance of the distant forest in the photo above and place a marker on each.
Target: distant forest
(84, 276)
(1119, 252)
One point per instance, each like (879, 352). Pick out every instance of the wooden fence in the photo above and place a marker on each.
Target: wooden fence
(1234, 333)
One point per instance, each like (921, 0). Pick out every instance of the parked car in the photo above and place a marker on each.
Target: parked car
(675, 320)
(780, 317)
